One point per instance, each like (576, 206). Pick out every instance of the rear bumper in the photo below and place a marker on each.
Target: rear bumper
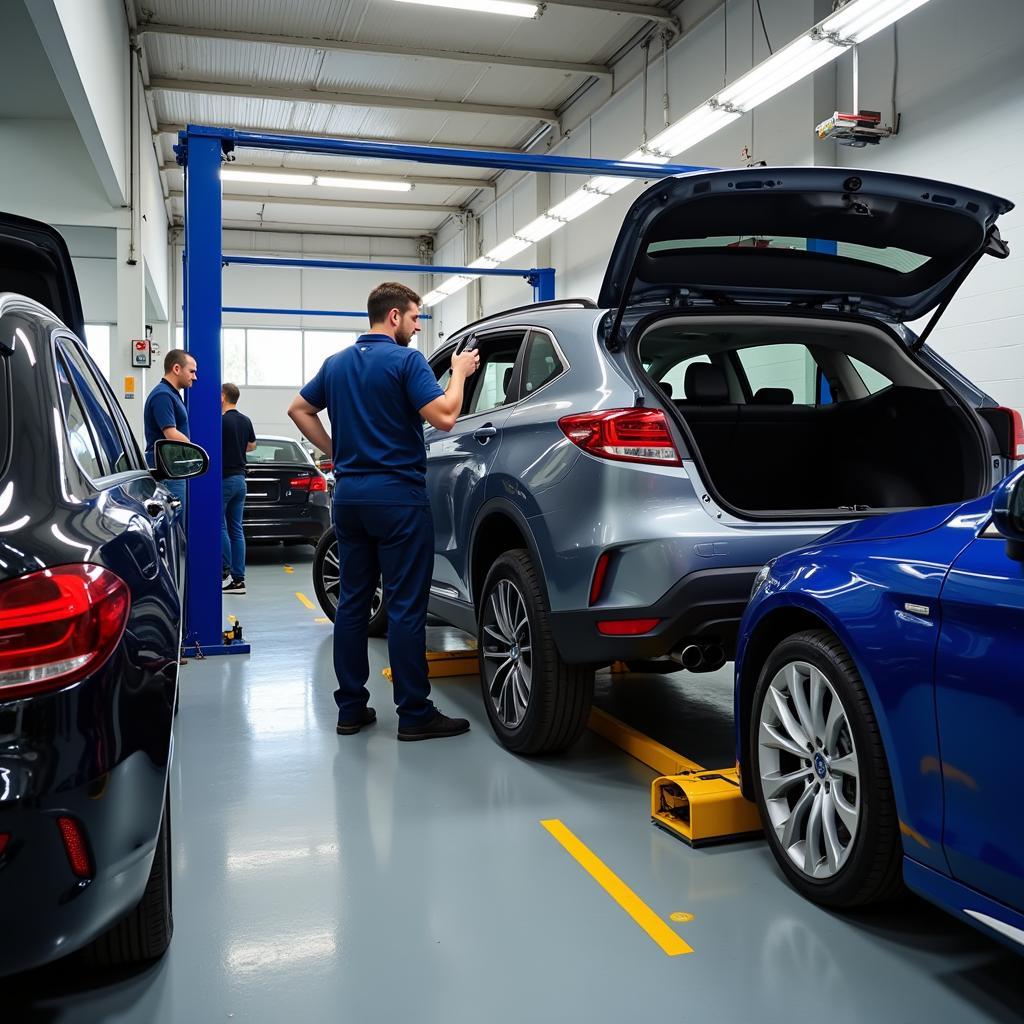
(302, 522)
(704, 606)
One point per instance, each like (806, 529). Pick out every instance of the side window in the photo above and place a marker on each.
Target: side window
(83, 445)
(494, 378)
(780, 369)
(542, 363)
(108, 436)
(873, 380)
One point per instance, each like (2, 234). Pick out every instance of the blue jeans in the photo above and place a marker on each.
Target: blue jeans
(398, 542)
(232, 539)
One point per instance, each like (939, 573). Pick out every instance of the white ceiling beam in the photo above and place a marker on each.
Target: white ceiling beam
(171, 128)
(379, 49)
(647, 11)
(305, 172)
(348, 99)
(277, 227)
(342, 204)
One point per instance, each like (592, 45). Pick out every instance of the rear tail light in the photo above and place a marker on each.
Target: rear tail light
(57, 626)
(74, 845)
(308, 483)
(4, 840)
(599, 574)
(625, 435)
(626, 627)
(1016, 433)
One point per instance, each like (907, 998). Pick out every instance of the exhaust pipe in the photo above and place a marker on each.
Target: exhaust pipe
(714, 657)
(690, 657)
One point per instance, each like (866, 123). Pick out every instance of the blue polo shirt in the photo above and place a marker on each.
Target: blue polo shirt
(373, 392)
(164, 408)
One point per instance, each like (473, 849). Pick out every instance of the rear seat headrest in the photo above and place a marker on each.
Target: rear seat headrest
(705, 384)
(666, 388)
(772, 396)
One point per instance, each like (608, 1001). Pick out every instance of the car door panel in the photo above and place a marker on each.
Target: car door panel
(980, 702)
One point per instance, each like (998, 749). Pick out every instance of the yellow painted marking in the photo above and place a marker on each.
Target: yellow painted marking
(670, 943)
(231, 618)
(305, 600)
(323, 620)
(650, 752)
(288, 568)
(682, 916)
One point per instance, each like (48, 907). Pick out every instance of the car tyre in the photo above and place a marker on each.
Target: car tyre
(536, 703)
(829, 814)
(144, 934)
(325, 584)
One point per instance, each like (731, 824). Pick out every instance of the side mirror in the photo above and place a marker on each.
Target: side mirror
(178, 460)
(1008, 514)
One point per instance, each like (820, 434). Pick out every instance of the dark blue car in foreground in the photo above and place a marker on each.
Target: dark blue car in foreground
(91, 578)
(880, 710)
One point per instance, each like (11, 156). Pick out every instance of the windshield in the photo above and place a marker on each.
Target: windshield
(901, 260)
(269, 451)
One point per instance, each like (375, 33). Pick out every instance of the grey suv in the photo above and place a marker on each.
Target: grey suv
(622, 470)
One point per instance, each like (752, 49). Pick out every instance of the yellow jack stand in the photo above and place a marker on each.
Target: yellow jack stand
(703, 807)
(445, 664)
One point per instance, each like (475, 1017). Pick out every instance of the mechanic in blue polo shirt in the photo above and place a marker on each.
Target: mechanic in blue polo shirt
(165, 414)
(377, 393)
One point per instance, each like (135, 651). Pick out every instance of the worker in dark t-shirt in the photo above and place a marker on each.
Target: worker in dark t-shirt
(377, 393)
(237, 438)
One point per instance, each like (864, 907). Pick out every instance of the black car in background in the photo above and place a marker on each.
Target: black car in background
(91, 583)
(286, 495)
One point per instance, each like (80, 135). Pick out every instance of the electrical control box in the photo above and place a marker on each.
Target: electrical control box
(142, 353)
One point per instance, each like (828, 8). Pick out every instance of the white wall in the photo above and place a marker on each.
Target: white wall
(961, 94)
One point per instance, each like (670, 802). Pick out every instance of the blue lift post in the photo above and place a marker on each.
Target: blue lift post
(200, 151)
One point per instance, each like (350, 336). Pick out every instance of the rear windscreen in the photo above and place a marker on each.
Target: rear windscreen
(901, 260)
(270, 452)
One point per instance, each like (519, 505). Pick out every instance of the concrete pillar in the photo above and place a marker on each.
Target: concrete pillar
(131, 324)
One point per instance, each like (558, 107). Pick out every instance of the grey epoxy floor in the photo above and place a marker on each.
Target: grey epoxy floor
(320, 877)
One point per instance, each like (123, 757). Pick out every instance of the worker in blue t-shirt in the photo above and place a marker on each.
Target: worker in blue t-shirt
(377, 394)
(165, 414)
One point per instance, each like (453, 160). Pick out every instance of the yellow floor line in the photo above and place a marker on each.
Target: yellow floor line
(305, 600)
(670, 943)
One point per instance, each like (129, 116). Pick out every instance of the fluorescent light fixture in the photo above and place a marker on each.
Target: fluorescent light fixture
(788, 65)
(373, 184)
(484, 263)
(861, 19)
(691, 129)
(643, 156)
(576, 204)
(455, 284)
(506, 250)
(482, 6)
(431, 299)
(608, 185)
(264, 177)
(540, 228)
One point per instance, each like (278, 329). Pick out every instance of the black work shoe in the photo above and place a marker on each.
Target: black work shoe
(234, 587)
(435, 728)
(349, 726)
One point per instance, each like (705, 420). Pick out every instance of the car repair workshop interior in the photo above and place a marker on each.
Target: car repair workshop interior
(511, 511)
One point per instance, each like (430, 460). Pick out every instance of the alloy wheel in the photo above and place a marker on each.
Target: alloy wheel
(331, 575)
(507, 653)
(807, 761)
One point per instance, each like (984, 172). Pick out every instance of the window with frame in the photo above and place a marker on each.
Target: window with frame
(273, 358)
(318, 346)
(790, 367)
(83, 446)
(108, 433)
(543, 363)
(872, 379)
(97, 341)
(494, 378)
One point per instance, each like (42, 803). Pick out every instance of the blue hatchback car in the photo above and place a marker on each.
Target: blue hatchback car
(880, 710)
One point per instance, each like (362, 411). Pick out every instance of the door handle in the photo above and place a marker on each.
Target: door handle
(155, 508)
(485, 433)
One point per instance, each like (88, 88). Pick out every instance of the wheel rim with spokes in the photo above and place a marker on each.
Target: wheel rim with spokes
(808, 768)
(507, 653)
(331, 576)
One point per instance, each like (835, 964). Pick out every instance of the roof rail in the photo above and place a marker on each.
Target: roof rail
(580, 303)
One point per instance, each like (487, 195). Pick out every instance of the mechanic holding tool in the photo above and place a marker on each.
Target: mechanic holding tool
(377, 392)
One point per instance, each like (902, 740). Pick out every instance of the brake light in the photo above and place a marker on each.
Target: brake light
(4, 840)
(308, 483)
(1016, 432)
(57, 626)
(625, 435)
(626, 627)
(74, 845)
(599, 574)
